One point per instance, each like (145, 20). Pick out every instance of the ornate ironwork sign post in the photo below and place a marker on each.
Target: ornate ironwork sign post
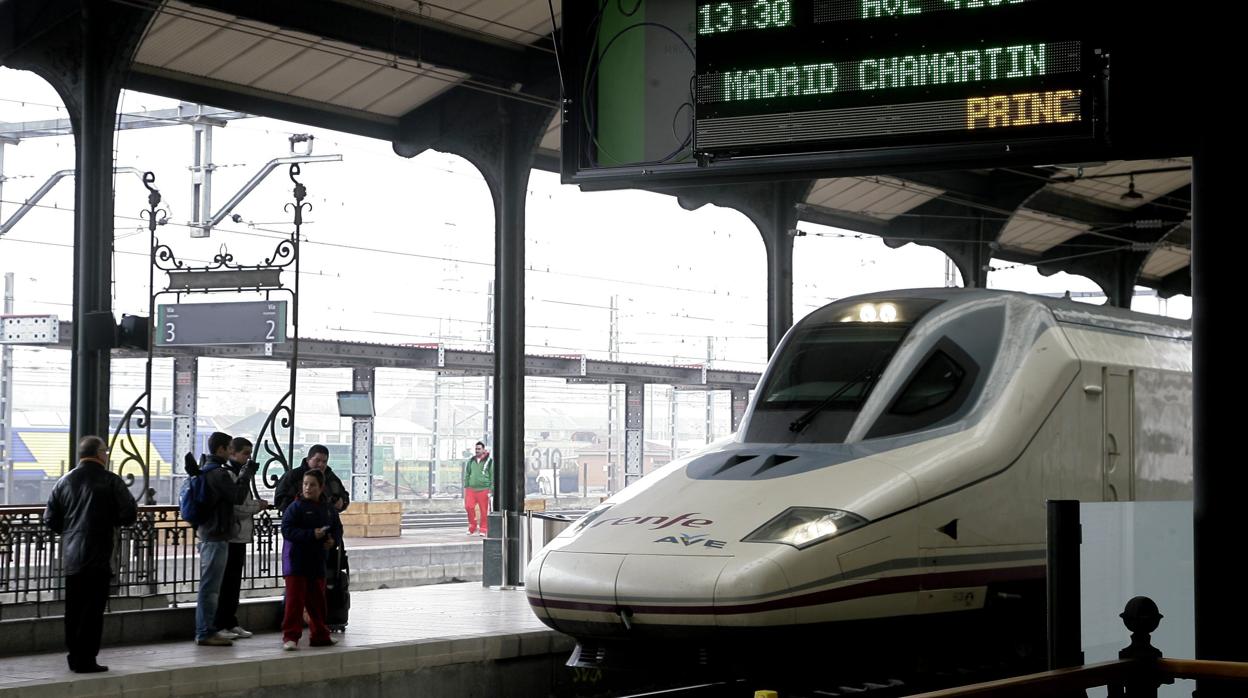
(217, 323)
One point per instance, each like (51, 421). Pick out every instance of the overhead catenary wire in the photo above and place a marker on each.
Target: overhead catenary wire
(273, 234)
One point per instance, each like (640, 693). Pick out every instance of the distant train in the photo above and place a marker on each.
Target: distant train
(41, 454)
(891, 471)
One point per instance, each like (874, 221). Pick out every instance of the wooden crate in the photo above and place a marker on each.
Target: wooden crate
(391, 507)
(385, 531)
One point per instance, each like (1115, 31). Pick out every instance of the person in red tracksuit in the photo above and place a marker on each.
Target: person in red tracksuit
(309, 527)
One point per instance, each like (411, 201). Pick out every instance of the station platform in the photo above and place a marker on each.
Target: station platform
(429, 557)
(436, 640)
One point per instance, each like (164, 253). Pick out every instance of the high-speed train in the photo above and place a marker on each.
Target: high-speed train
(893, 465)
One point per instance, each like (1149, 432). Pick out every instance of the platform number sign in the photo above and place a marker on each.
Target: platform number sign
(194, 324)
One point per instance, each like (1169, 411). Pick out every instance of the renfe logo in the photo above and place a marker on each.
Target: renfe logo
(657, 522)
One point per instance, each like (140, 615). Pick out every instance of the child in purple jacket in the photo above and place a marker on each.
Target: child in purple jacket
(309, 528)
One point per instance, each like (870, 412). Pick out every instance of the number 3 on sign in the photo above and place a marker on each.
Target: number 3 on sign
(170, 333)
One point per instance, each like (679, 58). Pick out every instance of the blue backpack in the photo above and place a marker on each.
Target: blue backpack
(193, 500)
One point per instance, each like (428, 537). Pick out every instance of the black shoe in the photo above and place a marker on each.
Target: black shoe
(91, 668)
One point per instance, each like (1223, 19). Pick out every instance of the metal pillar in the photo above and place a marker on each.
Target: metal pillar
(1218, 482)
(740, 400)
(634, 431)
(1126, 269)
(673, 417)
(774, 210)
(514, 161)
(6, 392)
(201, 178)
(501, 146)
(710, 416)
(84, 49)
(951, 273)
(362, 440)
(710, 394)
(4, 141)
(1062, 584)
(779, 285)
(435, 446)
(93, 228)
(614, 479)
(185, 415)
(485, 380)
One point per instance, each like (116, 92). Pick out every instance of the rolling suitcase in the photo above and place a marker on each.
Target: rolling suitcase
(337, 590)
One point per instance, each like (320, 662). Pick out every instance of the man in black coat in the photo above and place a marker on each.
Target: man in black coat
(87, 506)
(289, 487)
(334, 494)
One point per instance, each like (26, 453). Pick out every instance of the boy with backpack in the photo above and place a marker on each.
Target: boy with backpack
(207, 503)
(244, 515)
(310, 527)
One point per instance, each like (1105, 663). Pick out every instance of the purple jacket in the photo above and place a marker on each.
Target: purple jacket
(302, 554)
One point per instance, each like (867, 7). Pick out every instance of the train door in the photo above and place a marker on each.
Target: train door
(1118, 456)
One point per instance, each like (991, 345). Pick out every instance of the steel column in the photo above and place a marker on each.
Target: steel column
(185, 415)
(362, 381)
(740, 400)
(509, 338)
(634, 431)
(93, 226)
(778, 239)
(6, 390)
(673, 418)
(1062, 584)
(1219, 481)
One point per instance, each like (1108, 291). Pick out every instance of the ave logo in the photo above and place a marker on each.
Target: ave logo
(686, 540)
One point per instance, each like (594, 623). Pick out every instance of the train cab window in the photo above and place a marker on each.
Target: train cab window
(936, 390)
(931, 387)
(831, 360)
(827, 368)
(821, 382)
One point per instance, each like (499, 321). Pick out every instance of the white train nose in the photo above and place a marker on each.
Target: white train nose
(575, 591)
(752, 592)
(626, 595)
(669, 589)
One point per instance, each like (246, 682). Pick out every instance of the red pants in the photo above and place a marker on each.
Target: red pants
(304, 592)
(472, 500)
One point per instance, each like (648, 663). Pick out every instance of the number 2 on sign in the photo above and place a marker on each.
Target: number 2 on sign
(272, 333)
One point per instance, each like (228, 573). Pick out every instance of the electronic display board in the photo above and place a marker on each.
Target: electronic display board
(789, 76)
(682, 92)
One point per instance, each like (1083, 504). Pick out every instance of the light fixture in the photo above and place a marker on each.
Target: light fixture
(1131, 192)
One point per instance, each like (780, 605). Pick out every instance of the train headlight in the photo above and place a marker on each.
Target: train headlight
(870, 312)
(802, 527)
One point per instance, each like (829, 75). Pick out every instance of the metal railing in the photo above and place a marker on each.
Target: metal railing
(154, 559)
(1125, 678)
(1138, 673)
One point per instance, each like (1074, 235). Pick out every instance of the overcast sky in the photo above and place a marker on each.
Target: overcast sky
(401, 251)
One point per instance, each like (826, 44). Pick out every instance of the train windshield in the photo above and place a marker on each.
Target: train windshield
(827, 370)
